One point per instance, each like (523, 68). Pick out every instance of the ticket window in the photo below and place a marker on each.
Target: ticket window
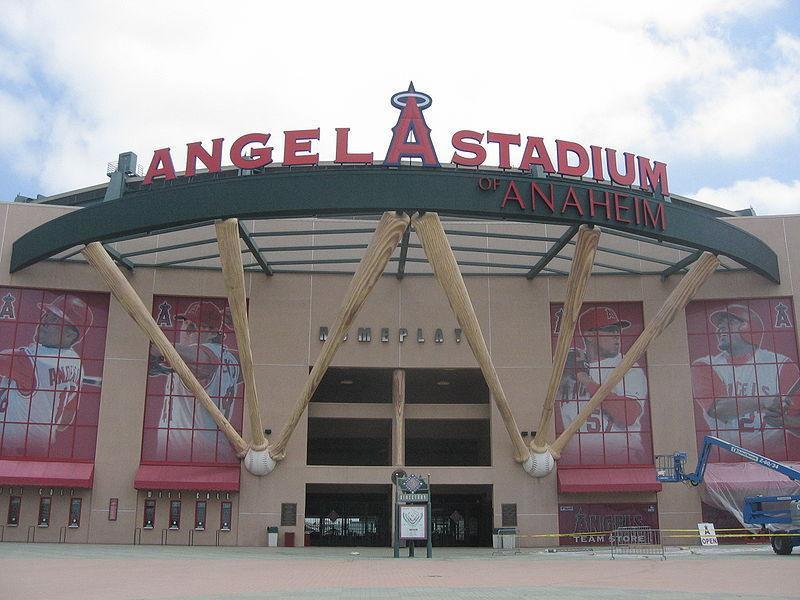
(44, 511)
(149, 513)
(200, 515)
(14, 505)
(75, 512)
(175, 514)
(225, 516)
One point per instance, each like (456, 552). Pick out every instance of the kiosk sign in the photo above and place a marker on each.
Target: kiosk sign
(413, 522)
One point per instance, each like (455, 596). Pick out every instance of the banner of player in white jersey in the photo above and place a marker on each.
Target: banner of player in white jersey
(745, 378)
(177, 429)
(618, 432)
(51, 364)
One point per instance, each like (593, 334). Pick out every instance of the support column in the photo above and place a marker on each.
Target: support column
(399, 401)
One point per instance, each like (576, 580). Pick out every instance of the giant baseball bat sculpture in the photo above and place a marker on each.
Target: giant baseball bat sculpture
(440, 255)
(579, 273)
(676, 302)
(123, 291)
(385, 239)
(257, 460)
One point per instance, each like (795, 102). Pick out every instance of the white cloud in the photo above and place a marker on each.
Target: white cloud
(766, 195)
(661, 79)
(19, 122)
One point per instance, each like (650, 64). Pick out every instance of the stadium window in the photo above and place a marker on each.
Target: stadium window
(14, 504)
(200, 515)
(225, 516)
(44, 511)
(149, 513)
(75, 512)
(175, 514)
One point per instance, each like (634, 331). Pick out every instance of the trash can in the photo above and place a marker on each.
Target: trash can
(272, 537)
(497, 541)
(288, 539)
(508, 537)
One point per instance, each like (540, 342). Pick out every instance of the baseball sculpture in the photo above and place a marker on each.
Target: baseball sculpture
(257, 460)
(384, 241)
(542, 461)
(579, 273)
(443, 261)
(124, 293)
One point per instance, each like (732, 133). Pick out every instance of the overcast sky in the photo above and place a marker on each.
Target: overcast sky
(712, 88)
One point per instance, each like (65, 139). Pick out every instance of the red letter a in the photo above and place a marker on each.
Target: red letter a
(411, 136)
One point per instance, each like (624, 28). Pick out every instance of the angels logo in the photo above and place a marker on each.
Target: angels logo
(164, 318)
(7, 309)
(781, 316)
(411, 136)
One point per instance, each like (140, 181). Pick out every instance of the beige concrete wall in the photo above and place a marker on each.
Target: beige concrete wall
(286, 312)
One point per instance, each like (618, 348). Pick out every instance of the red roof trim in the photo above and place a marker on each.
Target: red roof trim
(608, 479)
(46, 473)
(172, 477)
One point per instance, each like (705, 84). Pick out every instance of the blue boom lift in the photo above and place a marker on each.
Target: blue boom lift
(670, 469)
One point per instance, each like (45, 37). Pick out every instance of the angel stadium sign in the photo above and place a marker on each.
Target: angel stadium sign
(411, 140)
(560, 182)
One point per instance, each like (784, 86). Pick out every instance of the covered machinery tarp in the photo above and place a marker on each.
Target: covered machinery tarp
(725, 486)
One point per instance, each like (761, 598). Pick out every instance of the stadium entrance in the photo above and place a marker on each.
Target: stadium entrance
(462, 515)
(361, 516)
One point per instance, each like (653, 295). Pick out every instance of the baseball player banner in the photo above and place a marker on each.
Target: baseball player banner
(618, 432)
(177, 429)
(590, 524)
(52, 345)
(745, 378)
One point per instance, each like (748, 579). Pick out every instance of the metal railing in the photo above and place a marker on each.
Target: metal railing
(636, 541)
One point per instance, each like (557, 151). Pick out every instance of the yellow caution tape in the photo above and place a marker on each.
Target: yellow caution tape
(664, 533)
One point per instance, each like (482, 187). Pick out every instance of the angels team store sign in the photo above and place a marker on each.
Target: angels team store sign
(411, 139)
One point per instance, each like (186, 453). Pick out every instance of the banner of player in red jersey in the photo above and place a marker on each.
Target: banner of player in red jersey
(52, 346)
(745, 378)
(177, 429)
(618, 432)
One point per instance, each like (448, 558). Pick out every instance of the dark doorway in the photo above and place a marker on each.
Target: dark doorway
(348, 515)
(448, 443)
(462, 515)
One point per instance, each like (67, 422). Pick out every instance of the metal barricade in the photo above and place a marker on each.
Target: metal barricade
(62, 535)
(31, 536)
(636, 541)
(137, 536)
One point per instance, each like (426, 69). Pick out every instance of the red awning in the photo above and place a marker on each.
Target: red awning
(748, 478)
(608, 479)
(47, 473)
(168, 477)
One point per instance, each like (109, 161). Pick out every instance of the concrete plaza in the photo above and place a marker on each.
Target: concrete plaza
(73, 572)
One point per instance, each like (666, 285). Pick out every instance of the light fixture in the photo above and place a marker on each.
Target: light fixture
(443, 382)
(346, 382)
